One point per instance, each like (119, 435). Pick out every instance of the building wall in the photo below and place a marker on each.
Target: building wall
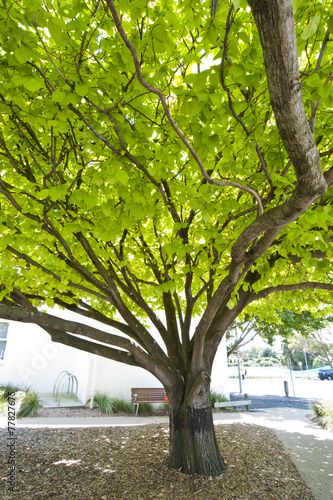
(220, 379)
(33, 360)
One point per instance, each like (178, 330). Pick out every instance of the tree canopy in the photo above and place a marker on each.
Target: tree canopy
(162, 160)
(286, 324)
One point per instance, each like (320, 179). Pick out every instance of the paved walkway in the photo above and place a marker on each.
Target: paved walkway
(309, 446)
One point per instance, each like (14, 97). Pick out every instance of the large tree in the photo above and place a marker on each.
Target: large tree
(157, 161)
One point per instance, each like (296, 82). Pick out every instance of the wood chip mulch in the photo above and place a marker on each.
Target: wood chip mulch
(129, 463)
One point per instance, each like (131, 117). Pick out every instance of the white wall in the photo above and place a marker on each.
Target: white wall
(220, 380)
(117, 379)
(33, 360)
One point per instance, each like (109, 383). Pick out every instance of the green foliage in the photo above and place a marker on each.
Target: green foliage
(75, 176)
(164, 407)
(7, 389)
(145, 408)
(318, 362)
(104, 403)
(29, 405)
(268, 362)
(121, 405)
(254, 352)
(112, 406)
(311, 347)
(216, 397)
(324, 412)
(268, 352)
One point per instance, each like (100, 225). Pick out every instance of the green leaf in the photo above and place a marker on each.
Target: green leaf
(296, 4)
(82, 89)
(22, 54)
(330, 24)
(240, 3)
(56, 27)
(58, 96)
(122, 177)
(90, 200)
(33, 84)
(312, 27)
(232, 302)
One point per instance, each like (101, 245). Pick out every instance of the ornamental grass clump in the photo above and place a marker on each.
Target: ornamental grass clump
(324, 412)
(216, 397)
(104, 403)
(29, 405)
(145, 408)
(121, 405)
(7, 390)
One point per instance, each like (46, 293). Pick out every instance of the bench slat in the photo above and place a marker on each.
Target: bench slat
(225, 404)
(147, 395)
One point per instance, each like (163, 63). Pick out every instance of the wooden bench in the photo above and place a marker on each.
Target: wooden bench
(242, 402)
(148, 395)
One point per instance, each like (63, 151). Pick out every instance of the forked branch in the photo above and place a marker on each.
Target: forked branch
(167, 112)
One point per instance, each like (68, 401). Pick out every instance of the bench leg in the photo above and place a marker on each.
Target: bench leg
(137, 408)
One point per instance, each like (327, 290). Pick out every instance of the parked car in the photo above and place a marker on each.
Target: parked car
(328, 373)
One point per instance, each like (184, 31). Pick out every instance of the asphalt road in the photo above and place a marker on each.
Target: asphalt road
(270, 392)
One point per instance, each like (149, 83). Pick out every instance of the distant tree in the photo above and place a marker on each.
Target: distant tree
(317, 344)
(294, 357)
(255, 352)
(268, 352)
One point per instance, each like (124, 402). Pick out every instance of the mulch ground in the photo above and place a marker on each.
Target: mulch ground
(129, 463)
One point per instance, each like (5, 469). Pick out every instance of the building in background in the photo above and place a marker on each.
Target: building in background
(30, 359)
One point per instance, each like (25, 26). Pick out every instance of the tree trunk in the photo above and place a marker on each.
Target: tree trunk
(193, 445)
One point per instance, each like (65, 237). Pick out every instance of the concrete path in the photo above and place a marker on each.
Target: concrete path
(309, 446)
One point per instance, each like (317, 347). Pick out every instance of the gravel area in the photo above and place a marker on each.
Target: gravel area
(69, 412)
(129, 462)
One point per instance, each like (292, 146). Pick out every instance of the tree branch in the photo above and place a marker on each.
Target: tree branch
(172, 122)
(290, 288)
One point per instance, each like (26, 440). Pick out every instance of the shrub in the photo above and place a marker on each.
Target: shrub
(268, 362)
(318, 362)
(145, 408)
(324, 413)
(7, 389)
(104, 403)
(217, 397)
(29, 405)
(164, 407)
(121, 405)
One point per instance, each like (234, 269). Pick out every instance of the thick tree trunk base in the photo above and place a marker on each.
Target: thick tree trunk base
(193, 445)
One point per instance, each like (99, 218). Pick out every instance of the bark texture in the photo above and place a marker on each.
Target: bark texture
(193, 445)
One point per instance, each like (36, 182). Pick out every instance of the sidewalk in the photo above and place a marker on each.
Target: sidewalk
(309, 446)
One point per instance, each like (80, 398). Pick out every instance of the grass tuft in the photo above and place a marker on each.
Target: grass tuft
(216, 397)
(324, 412)
(145, 408)
(29, 405)
(104, 403)
(121, 405)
